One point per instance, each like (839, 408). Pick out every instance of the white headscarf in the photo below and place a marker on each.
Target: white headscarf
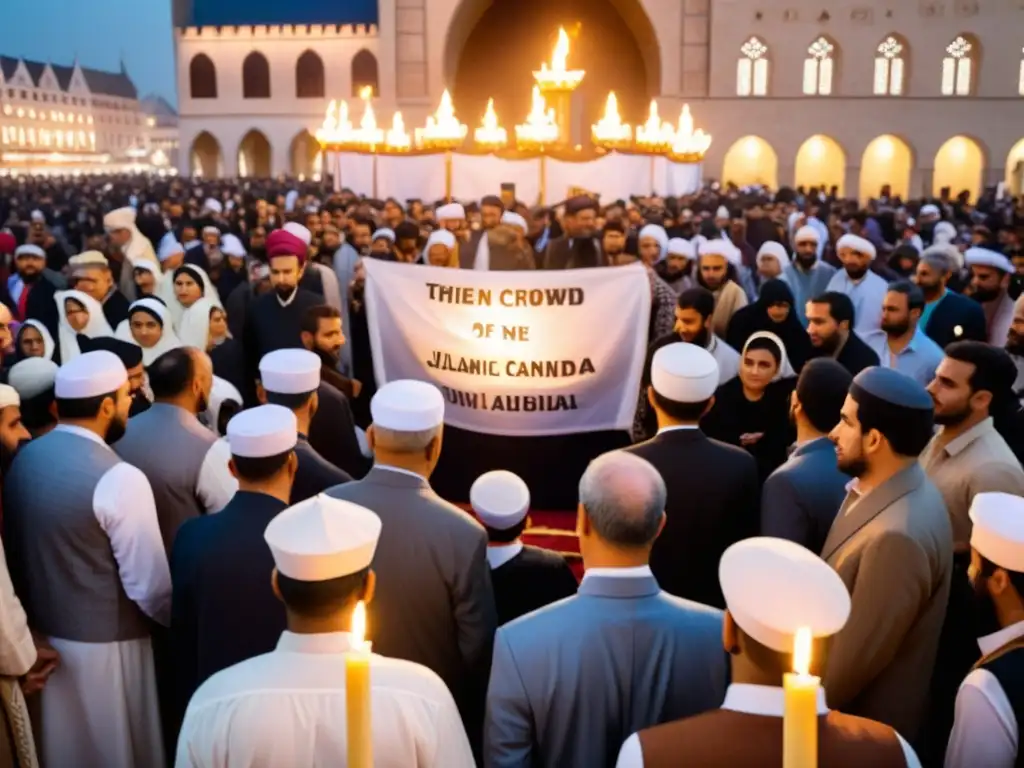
(658, 233)
(67, 336)
(168, 339)
(48, 344)
(221, 392)
(176, 308)
(194, 330)
(785, 370)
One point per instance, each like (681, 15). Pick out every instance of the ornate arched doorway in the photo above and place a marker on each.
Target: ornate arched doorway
(205, 157)
(959, 165)
(254, 155)
(613, 41)
(305, 154)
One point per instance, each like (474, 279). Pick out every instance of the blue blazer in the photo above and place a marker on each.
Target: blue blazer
(570, 682)
(800, 499)
(956, 310)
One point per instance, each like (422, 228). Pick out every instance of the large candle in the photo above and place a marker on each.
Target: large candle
(357, 694)
(800, 721)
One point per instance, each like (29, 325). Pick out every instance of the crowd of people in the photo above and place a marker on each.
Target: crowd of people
(202, 480)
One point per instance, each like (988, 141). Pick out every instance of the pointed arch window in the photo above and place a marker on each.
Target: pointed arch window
(889, 67)
(819, 68)
(958, 68)
(752, 69)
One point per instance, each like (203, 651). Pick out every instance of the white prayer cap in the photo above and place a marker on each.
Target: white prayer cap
(214, 205)
(88, 259)
(943, 232)
(771, 248)
(684, 373)
(774, 587)
(930, 210)
(37, 216)
(407, 405)
(267, 430)
(856, 243)
(385, 233)
(678, 246)
(299, 231)
(121, 218)
(807, 232)
(451, 211)
(290, 371)
(169, 246)
(90, 375)
(985, 257)
(720, 247)
(28, 249)
(998, 533)
(230, 245)
(209, 229)
(323, 538)
(440, 237)
(722, 213)
(9, 396)
(513, 219)
(500, 499)
(32, 376)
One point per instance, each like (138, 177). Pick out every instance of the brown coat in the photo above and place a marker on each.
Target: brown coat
(894, 551)
(505, 254)
(727, 739)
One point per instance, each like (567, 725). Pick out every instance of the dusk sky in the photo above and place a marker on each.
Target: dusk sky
(100, 32)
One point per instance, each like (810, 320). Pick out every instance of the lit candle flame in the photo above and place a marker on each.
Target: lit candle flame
(802, 651)
(557, 75)
(397, 137)
(358, 630)
(490, 131)
(540, 127)
(560, 55)
(366, 92)
(610, 128)
(443, 127)
(687, 142)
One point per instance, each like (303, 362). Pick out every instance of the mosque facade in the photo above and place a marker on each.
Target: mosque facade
(918, 94)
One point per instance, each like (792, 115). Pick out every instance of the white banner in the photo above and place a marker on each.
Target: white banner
(514, 353)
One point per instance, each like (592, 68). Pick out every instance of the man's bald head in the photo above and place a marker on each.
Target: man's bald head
(182, 373)
(623, 496)
(6, 339)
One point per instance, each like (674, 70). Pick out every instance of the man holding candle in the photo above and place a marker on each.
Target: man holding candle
(988, 714)
(892, 544)
(322, 698)
(775, 590)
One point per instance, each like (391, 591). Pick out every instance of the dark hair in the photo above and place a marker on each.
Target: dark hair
(320, 599)
(311, 318)
(289, 401)
(908, 430)
(188, 269)
(763, 342)
(35, 411)
(148, 311)
(407, 230)
(614, 226)
(228, 410)
(506, 535)
(81, 407)
(493, 201)
(680, 411)
(994, 370)
(915, 297)
(172, 372)
(699, 299)
(256, 468)
(361, 221)
(840, 306)
(1016, 577)
(821, 391)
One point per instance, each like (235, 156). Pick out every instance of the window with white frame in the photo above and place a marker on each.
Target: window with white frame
(889, 68)
(957, 68)
(752, 69)
(818, 68)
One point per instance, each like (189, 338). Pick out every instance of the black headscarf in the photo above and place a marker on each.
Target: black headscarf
(754, 317)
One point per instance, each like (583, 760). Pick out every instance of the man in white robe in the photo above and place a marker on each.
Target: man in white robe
(88, 563)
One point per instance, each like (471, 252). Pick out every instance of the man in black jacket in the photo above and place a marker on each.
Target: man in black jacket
(713, 496)
(29, 292)
(948, 316)
(830, 319)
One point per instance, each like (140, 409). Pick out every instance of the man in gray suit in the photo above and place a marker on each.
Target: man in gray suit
(800, 499)
(572, 681)
(434, 604)
(892, 544)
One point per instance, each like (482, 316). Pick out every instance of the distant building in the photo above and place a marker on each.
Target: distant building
(55, 117)
(920, 95)
(161, 135)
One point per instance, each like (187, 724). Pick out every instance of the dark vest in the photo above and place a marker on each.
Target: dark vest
(1006, 664)
(738, 740)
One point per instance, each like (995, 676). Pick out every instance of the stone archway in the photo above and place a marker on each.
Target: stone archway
(304, 154)
(1015, 169)
(821, 162)
(254, 155)
(616, 44)
(887, 160)
(751, 160)
(959, 165)
(205, 158)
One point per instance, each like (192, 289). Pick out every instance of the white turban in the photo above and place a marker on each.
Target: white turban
(121, 218)
(856, 243)
(658, 233)
(807, 232)
(679, 246)
(451, 212)
(513, 219)
(721, 247)
(771, 248)
(440, 237)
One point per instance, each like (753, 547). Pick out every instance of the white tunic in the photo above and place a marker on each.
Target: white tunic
(99, 708)
(867, 295)
(985, 731)
(287, 708)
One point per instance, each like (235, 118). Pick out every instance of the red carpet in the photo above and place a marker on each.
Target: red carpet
(555, 531)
